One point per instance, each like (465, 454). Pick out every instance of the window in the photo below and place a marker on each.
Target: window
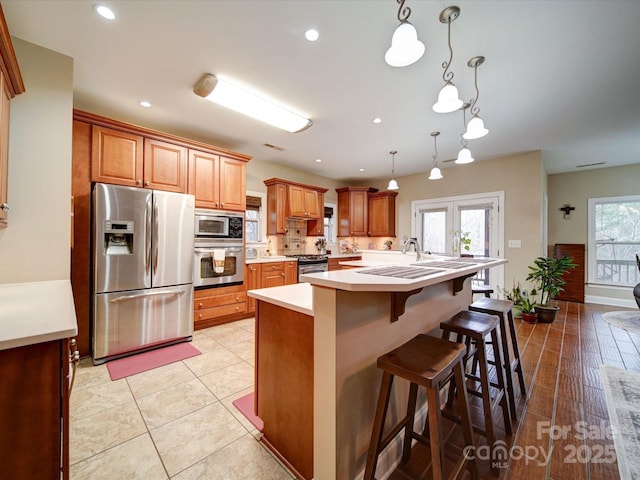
(253, 219)
(614, 240)
(328, 224)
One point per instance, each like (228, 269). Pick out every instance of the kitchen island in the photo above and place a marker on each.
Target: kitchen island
(355, 316)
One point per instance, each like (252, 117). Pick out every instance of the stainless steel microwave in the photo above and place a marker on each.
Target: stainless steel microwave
(218, 224)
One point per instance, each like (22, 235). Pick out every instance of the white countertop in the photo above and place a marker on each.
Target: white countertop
(352, 280)
(297, 297)
(36, 312)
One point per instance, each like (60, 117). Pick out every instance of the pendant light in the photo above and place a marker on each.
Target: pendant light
(393, 185)
(435, 174)
(464, 155)
(405, 47)
(448, 100)
(475, 127)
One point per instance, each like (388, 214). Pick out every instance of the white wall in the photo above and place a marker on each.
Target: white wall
(36, 244)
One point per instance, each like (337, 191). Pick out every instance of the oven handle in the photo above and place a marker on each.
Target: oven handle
(211, 249)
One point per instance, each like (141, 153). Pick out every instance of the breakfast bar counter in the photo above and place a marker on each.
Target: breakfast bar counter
(328, 358)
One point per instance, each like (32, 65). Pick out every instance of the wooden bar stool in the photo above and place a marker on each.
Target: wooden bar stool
(502, 308)
(471, 328)
(486, 290)
(428, 362)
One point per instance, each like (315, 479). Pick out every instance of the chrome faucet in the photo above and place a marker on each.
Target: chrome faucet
(414, 242)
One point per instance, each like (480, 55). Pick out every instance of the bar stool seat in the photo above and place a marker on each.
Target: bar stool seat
(471, 328)
(503, 309)
(486, 290)
(428, 362)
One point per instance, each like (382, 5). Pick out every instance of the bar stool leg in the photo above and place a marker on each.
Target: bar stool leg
(507, 368)
(378, 425)
(408, 430)
(504, 402)
(516, 353)
(465, 415)
(435, 433)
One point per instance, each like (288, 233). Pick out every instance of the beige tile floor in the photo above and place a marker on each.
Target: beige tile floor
(175, 421)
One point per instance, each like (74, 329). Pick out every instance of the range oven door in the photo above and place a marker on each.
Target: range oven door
(312, 267)
(204, 266)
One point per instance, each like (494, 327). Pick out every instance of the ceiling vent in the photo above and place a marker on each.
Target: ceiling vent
(275, 147)
(590, 164)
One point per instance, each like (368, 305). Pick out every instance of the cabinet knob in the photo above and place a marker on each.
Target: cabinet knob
(222, 204)
(237, 298)
(200, 305)
(216, 204)
(237, 308)
(200, 316)
(282, 274)
(147, 183)
(4, 207)
(138, 182)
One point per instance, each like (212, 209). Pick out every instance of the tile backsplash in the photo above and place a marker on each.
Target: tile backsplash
(295, 240)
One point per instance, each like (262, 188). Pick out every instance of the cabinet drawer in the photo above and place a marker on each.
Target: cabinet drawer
(272, 267)
(219, 300)
(220, 311)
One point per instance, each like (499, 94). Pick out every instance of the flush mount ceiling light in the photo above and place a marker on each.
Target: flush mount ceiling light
(228, 95)
(312, 35)
(435, 174)
(475, 127)
(464, 155)
(405, 47)
(393, 185)
(448, 100)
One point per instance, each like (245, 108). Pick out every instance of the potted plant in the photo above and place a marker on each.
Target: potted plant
(528, 306)
(516, 296)
(461, 241)
(546, 274)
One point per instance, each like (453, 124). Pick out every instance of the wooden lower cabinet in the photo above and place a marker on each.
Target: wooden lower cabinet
(214, 306)
(34, 411)
(269, 274)
(284, 388)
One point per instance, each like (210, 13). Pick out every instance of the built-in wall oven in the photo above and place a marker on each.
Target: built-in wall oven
(218, 248)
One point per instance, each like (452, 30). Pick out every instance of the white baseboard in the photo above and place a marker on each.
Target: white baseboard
(616, 302)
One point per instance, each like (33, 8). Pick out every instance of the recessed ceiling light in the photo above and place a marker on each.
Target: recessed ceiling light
(361, 169)
(318, 160)
(145, 104)
(312, 35)
(105, 12)
(377, 120)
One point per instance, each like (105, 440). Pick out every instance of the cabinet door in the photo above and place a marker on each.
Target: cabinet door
(4, 149)
(276, 209)
(165, 166)
(314, 208)
(358, 204)
(290, 272)
(297, 201)
(203, 178)
(233, 191)
(252, 278)
(382, 218)
(116, 157)
(272, 274)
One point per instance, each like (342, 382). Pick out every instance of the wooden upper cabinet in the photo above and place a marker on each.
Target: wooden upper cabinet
(165, 166)
(353, 207)
(232, 188)
(203, 176)
(217, 182)
(382, 214)
(287, 199)
(116, 157)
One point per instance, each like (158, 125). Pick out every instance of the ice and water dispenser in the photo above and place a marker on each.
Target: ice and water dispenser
(118, 237)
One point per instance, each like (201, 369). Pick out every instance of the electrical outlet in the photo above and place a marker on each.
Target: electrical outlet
(515, 244)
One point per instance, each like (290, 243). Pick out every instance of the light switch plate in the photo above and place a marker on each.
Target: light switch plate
(515, 244)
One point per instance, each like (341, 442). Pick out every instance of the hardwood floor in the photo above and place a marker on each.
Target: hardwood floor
(563, 426)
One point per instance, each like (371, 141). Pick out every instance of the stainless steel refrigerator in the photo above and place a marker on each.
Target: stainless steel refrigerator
(142, 269)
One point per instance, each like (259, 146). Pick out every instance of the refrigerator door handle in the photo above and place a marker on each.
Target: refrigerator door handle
(147, 294)
(147, 256)
(154, 240)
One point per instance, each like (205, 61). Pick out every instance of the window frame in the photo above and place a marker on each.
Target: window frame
(592, 243)
(262, 219)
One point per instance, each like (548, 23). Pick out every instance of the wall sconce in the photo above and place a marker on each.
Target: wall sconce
(435, 174)
(405, 47)
(566, 209)
(228, 95)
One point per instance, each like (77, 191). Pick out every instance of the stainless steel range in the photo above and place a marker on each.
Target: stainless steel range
(311, 263)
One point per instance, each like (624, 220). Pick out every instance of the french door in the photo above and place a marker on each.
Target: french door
(469, 224)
